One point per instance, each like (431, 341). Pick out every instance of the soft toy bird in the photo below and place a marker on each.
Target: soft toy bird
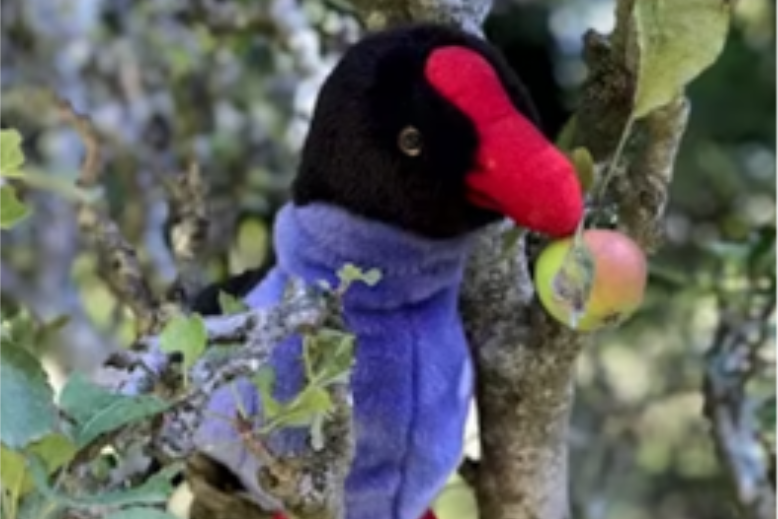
(421, 136)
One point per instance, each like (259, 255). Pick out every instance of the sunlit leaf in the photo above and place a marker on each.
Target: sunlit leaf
(303, 410)
(11, 155)
(12, 210)
(230, 304)
(584, 168)
(678, 39)
(186, 335)
(13, 468)
(350, 273)
(331, 355)
(54, 450)
(264, 380)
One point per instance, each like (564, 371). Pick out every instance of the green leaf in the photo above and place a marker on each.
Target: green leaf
(97, 411)
(350, 273)
(27, 411)
(573, 284)
(156, 490)
(564, 140)
(761, 258)
(139, 512)
(371, 277)
(38, 506)
(303, 410)
(54, 450)
(584, 168)
(11, 155)
(331, 354)
(510, 241)
(767, 415)
(264, 380)
(23, 329)
(13, 469)
(230, 304)
(186, 335)
(733, 252)
(12, 211)
(678, 39)
(317, 432)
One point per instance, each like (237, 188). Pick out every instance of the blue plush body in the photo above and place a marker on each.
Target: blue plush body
(413, 377)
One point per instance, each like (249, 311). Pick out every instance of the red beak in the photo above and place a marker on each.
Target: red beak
(519, 173)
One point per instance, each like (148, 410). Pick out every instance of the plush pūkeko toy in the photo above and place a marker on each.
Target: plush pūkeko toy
(421, 135)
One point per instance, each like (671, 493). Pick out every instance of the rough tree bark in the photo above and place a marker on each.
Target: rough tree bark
(526, 362)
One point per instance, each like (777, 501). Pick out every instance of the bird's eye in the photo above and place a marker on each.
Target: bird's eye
(410, 141)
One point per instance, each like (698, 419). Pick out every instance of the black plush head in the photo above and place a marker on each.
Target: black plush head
(386, 144)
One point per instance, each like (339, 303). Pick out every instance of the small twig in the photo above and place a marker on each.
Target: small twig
(123, 272)
(188, 231)
(615, 160)
(90, 167)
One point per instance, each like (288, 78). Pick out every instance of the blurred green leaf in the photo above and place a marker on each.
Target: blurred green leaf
(22, 328)
(250, 246)
(584, 168)
(37, 506)
(510, 241)
(27, 411)
(186, 335)
(230, 304)
(456, 500)
(11, 155)
(736, 252)
(304, 408)
(54, 450)
(265, 380)
(317, 432)
(141, 513)
(564, 140)
(350, 273)
(156, 490)
(13, 469)
(767, 415)
(96, 411)
(12, 211)
(677, 41)
(762, 257)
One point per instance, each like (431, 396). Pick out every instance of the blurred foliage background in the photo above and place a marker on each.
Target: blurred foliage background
(230, 84)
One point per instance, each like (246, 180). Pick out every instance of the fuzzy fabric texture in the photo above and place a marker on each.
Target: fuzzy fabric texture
(518, 172)
(413, 377)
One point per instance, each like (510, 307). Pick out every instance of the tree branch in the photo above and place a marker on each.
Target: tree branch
(188, 231)
(526, 366)
(124, 274)
(732, 361)
(310, 485)
(525, 362)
